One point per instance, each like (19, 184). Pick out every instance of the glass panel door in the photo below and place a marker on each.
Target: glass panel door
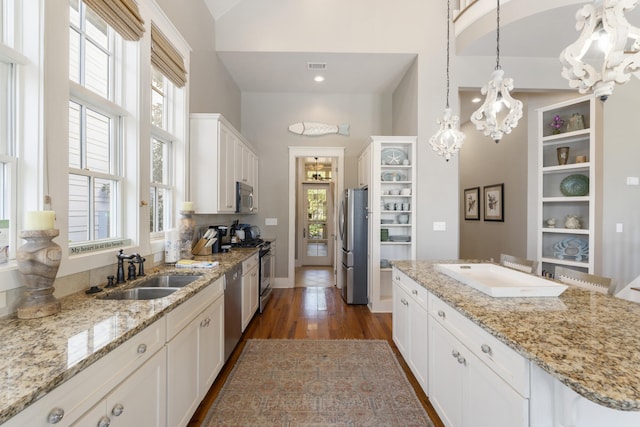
(317, 223)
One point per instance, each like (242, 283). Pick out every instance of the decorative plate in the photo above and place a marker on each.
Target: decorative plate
(393, 176)
(575, 185)
(393, 156)
(572, 248)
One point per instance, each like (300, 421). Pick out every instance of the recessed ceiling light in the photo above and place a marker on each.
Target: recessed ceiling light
(318, 79)
(476, 100)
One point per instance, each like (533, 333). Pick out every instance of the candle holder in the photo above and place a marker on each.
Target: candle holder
(38, 263)
(187, 231)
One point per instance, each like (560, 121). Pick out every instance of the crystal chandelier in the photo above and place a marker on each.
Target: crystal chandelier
(448, 140)
(606, 52)
(500, 112)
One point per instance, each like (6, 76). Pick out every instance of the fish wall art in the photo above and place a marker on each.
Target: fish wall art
(318, 129)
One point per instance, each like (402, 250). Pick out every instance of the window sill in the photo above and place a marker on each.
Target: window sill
(9, 276)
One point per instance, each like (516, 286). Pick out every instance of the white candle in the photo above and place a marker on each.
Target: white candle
(39, 220)
(187, 206)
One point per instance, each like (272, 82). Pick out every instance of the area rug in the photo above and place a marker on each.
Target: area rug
(317, 383)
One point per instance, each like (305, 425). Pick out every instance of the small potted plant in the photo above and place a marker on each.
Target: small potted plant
(556, 124)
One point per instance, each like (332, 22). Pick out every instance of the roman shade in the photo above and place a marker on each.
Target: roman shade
(166, 58)
(122, 15)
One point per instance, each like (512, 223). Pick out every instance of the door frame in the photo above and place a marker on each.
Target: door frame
(294, 153)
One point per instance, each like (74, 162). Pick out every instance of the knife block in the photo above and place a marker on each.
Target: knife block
(201, 248)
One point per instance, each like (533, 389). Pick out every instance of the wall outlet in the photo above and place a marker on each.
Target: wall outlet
(271, 221)
(439, 226)
(618, 228)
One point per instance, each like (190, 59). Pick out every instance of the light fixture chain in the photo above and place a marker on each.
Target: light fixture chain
(498, 35)
(448, 35)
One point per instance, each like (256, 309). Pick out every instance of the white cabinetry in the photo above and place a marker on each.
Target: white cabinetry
(195, 333)
(559, 245)
(364, 167)
(410, 320)
(219, 157)
(137, 401)
(392, 213)
(250, 289)
(474, 379)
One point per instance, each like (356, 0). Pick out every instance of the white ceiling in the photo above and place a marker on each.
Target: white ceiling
(541, 35)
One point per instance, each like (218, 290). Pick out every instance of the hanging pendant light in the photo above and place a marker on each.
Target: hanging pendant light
(606, 52)
(500, 112)
(448, 140)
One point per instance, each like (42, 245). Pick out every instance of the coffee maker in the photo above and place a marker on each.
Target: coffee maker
(221, 231)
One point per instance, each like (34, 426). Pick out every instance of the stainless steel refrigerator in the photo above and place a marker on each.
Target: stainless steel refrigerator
(353, 225)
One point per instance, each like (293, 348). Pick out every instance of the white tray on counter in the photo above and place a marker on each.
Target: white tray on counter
(501, 282)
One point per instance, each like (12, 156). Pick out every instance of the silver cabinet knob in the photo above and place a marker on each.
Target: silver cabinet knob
(441, 314)
(203, 323)
(55, 416)
(461, 360)
(142, 348)
(485, 349)
(104, 421)
(415, 292)
(455, 353)
(118, 409)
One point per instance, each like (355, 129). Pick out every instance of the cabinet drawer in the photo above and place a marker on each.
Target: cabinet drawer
(501, 359)
(417, 292)
(250, 263)
(185, 313)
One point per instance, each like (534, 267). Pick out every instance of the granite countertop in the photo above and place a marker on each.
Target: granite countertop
(587, 340)
(39, 354)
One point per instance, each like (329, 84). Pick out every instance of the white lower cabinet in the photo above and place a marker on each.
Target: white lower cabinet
(137, 401)
(195, 345)
(250, 290)
(410, 320)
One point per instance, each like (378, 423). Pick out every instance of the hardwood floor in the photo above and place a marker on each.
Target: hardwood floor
(312, 313)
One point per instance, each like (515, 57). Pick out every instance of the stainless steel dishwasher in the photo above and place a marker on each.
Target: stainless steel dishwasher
(232, 309)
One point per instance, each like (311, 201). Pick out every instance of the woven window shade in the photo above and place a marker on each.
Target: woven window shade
(122, 15)
(166, 58)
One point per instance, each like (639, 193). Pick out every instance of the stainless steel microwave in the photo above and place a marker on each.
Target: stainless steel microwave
(244, 198)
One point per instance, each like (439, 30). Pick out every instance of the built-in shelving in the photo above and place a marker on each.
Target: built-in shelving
(560, 245)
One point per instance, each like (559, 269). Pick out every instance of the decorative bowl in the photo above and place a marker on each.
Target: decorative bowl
(575, 185)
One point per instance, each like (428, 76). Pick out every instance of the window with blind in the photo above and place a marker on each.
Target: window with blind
(95, 129)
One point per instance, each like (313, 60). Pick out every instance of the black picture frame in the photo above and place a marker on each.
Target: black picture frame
(493, 196)
(471, 203)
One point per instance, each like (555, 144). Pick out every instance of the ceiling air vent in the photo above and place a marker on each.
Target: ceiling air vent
(316, 66)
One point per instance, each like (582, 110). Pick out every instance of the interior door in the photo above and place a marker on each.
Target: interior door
(317, 224)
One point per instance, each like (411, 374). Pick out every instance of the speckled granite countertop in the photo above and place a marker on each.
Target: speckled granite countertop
(587, 340)
(39, 354)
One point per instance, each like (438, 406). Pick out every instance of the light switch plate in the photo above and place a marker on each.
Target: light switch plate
(271, 221)
(633, 180)
(618, 228)
(439, 226)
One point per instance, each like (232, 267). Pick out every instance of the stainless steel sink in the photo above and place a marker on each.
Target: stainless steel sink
(141, 293)
(168, 281)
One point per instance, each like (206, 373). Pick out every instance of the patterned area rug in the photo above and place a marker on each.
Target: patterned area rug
(317, 383)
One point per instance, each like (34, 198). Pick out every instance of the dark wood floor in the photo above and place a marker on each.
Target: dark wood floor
(312, 313)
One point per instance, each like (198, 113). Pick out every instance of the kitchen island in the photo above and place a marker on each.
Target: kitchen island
(585, 340)
(39, 355)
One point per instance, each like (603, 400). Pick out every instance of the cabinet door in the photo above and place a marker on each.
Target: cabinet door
(182, 375)
(226, 178)
(140, 400)
(400, 322)
(418, 342)
(445, 375)
(210, 345)
(488, 400)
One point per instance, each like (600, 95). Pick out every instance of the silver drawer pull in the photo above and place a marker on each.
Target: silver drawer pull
(203, 323)
(104, 422)
(441, 314)
(55, 416)
(461, 360)
(415, 292)
(118, 409)
(397, 278)
(485, 349)
(142, 348)
(455, 353)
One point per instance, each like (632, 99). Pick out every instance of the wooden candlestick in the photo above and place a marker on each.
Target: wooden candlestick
(38, 263)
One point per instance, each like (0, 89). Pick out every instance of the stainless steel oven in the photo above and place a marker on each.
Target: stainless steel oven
(265, 274)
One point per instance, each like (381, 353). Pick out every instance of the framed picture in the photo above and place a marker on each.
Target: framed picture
(494, 202)
(472, 203)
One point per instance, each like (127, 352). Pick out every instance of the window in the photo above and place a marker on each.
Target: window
(95, 129)
(162, 187)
